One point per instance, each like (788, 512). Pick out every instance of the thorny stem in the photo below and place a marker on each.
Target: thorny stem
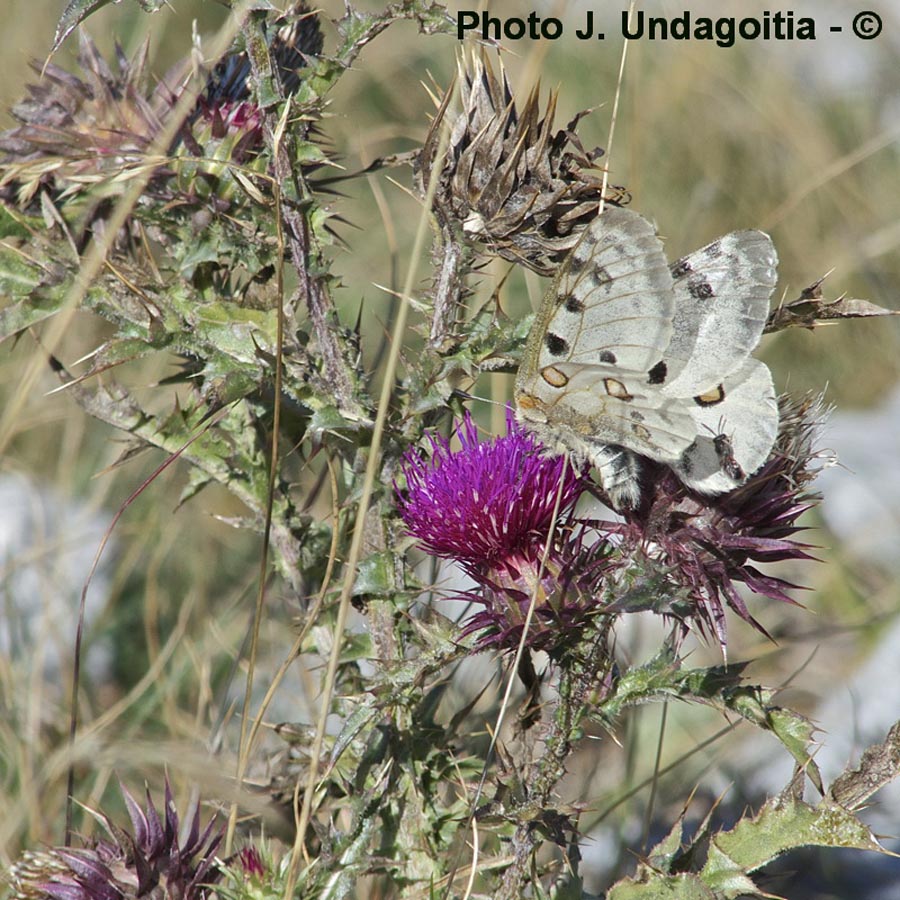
(338, 372)
(451, 263)
(576, 682)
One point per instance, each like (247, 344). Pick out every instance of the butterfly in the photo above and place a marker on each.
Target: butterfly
(632, 357)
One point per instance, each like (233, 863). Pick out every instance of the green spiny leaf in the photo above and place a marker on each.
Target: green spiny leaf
(74, 14)
(781, 825)
(376, 575)
(653, 886)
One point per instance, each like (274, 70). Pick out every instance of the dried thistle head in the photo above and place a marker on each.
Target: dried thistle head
(513, 182)
(76, 131)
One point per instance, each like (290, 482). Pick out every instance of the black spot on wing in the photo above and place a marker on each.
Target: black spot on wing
(700, 289)
(577, 261)
(600, 276)
(657, 375)
(687, 463)
(607, 356)
(681, 267)
(573, 304)
(556, 345)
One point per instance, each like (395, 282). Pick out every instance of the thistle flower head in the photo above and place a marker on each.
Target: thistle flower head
(153, 857)
(516, 184)
(489, 503)
(80, 135)
(490, 506)
(75, 130)
(227, 104)
(252, 862)
(710, 545)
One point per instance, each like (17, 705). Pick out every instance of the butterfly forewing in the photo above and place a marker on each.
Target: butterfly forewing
(612, 302)
(721, 303)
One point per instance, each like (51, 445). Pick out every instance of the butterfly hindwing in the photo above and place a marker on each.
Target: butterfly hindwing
(602, 404)
(608, 419)
(734, 435)
(721, 303)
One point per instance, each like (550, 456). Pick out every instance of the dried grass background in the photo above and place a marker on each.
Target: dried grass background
(798, 139)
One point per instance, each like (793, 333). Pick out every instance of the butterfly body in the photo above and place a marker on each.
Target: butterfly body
(631, 357)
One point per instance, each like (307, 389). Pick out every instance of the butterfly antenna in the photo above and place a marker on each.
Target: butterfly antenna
(615, 113)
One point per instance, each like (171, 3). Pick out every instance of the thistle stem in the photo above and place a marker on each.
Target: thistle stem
(575, 684)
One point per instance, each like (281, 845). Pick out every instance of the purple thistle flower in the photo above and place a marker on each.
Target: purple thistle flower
(489, 505)
(233, 118)
(252, 862)
(153, 858)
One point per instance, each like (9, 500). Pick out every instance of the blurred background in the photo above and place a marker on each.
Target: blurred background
(798, 138)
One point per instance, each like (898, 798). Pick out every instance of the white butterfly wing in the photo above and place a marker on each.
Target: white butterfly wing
(600, 405)
(612, 302)
(629, 357)
(734, 435)
(608, 419)
(721, 303)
